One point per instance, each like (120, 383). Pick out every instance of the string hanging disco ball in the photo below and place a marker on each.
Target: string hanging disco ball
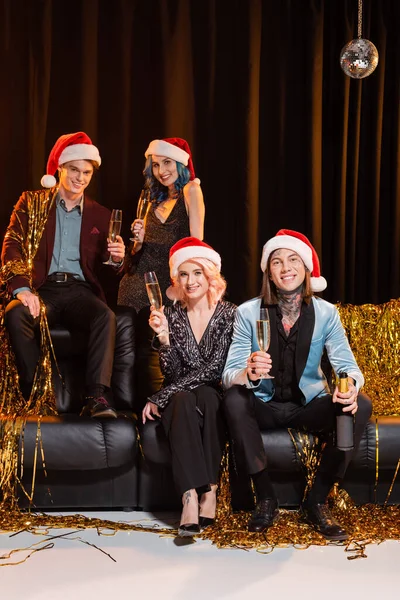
(359, 58)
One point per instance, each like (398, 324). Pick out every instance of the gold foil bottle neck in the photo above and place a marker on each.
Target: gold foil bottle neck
(343, 383)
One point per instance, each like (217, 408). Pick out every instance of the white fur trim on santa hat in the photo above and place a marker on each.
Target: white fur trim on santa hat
(162, 148)
(291, 243)
(191, 253)
(48, 181)
(318, 284)
(79, 152)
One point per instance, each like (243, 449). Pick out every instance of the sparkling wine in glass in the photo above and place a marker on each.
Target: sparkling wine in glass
(264, 335)
(142, 210)
(114, 229)
(153, 290)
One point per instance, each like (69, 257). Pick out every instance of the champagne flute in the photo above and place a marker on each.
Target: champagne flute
(153, 289)
(264, 335)
(142, 210)
(114, 229)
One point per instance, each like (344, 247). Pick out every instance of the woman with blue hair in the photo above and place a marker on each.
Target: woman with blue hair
(177, 211)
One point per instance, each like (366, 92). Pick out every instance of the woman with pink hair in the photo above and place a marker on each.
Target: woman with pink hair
(194, 337)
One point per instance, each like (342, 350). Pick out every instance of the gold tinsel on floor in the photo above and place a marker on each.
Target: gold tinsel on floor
(365, 524)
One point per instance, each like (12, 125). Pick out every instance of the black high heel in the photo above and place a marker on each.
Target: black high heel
(206, 522)
(188, 530)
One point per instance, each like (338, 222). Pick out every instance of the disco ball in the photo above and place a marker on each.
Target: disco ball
(359, 58)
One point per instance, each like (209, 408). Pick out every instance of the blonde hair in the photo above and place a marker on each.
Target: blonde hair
(216, 283)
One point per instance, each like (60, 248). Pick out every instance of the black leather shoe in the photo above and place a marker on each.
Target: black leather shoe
(264, 515)
(320, 518)
(206, 522)
(188, 530)
(98, 407)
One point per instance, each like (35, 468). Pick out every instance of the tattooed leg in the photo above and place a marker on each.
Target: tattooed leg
(190, 511)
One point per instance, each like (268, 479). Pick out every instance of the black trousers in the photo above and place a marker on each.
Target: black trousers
(195, 430)
(246, 415)
(74, 305)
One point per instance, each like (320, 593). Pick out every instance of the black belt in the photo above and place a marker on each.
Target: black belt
(62, 277)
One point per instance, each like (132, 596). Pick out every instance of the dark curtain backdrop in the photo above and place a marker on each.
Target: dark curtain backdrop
(280, 136)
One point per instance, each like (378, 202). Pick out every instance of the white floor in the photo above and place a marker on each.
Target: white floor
(147, 566)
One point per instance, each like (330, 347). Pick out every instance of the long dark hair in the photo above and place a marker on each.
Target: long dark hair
(269, 290)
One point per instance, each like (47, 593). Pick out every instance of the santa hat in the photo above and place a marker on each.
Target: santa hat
(71, 146)
(190, 248)
(175, 148)
(292, 240)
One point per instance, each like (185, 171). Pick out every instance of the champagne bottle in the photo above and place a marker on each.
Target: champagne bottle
(344, 420)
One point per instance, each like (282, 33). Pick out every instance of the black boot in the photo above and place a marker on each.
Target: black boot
(264, 515)
(320, 518)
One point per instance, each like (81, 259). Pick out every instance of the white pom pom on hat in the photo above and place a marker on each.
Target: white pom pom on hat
(71, 146)
(293, 240)
(48, 181)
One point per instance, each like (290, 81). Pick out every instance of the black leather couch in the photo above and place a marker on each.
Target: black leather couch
(94, 463)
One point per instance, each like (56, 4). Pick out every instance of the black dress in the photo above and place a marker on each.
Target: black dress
(154, 256)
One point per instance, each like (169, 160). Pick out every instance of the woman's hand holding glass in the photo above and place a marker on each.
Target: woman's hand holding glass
(159, 324)
(138, 230)
(138, 225)
(158, 321)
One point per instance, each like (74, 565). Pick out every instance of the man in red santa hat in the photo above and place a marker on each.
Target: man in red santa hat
(283, 385)
(52, 252)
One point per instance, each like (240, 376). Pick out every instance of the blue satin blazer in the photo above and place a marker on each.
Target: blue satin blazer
(319, 327)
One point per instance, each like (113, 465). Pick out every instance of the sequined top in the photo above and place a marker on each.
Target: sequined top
(187, 364)
(154, 255)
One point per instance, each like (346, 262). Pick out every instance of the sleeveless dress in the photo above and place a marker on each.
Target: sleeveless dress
(154, 256)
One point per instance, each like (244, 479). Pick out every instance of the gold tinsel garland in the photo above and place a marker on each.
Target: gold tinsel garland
(373, 332)
(26, 234)
(29, 224)
(374, 336)
(309, 450)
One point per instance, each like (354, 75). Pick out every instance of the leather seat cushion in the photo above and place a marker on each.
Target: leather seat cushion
(74, 443)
